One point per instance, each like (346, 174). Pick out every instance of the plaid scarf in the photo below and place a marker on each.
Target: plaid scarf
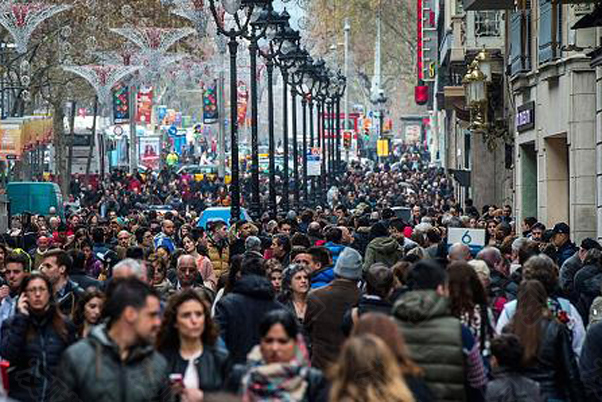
(276, 382)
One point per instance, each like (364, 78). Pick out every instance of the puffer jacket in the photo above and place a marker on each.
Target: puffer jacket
(555, 367)
(335, 250)
(434, 339)
(33, 358)
(322, 277)
(239, 313)
(92, 370)
(219, 254)
(383, 249)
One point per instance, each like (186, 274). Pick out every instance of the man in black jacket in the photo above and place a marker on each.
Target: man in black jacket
(117, 361)
(239, 313)
(57, 266)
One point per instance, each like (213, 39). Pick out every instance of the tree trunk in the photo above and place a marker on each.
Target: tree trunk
(59, 142)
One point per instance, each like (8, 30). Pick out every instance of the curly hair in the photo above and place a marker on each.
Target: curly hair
(465, 289)
(168, 338)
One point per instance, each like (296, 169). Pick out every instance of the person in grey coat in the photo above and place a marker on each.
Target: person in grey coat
(117, 361)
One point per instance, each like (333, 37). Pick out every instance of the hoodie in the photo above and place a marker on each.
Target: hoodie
(383, 249)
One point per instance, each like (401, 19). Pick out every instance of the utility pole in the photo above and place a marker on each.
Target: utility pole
(347, 29)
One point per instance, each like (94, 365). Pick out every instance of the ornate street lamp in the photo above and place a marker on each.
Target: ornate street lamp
(305, 84)
(273, 23)
(341, 87)
(288, 59)
(322, 97)
(242, 13)
(299, 56)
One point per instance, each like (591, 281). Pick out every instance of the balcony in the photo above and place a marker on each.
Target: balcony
(482, 5)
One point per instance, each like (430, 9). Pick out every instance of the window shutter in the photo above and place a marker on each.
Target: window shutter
(515, 42)
(545, 31)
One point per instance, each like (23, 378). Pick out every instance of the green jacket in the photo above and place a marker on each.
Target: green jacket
(91, 370)
(383, 249)
(434, 339)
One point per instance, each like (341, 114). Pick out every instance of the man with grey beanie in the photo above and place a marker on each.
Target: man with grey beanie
(326, 308)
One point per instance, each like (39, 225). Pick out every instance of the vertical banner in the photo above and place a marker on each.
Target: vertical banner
(149, 148)
(161, 114)
(314, 162)
(210, 113)
(145, 105)
(121, 104)
(243, 101)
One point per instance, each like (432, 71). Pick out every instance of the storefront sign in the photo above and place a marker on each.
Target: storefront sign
(525, 117)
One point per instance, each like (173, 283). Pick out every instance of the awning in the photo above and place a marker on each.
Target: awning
(591, 20)
(482, 5)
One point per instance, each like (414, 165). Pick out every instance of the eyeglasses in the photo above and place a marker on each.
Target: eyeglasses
(32, 291)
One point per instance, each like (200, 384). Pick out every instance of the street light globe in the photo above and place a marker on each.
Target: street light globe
(231, 6)
(485, 64)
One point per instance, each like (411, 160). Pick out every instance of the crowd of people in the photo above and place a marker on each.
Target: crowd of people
(345, 302)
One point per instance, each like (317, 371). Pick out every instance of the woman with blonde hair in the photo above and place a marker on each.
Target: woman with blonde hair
(367, 371)
(385, 328)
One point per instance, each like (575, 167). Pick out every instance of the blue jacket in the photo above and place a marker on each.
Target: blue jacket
(565, 252)
(322, 277)
(335, 250)
(162, 239)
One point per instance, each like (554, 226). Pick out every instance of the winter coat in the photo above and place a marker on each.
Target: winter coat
(239, 313)
(383, 249)
(509, 386)
(92, 370)
(367, 304)
(568, 271)
(555, 367)
(589, 362)
(212, 367)
(361, 238)
(335, 251)
(219, 256)
(587, 287)
(33, 358)
(326, 308)
(434, 339)
(322, 277)
(566, 251)
(68, 297)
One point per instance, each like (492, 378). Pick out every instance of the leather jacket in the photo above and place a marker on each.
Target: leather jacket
(555, 367)
(212, 367)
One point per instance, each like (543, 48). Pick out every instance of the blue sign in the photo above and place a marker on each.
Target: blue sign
(173, 130)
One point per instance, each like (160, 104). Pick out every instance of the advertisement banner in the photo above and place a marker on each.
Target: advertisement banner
(243, 101)
(210, 113)
(149, 151)
(121, 104)
(144, 105)
(314, 164)
(383, 148)
(10, 142)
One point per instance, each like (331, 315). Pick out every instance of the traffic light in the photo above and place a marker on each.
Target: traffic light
(347, 139)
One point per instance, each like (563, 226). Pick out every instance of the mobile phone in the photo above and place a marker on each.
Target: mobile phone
(176, 379)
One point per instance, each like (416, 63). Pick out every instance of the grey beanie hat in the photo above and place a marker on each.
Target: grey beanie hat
(349, 264)
(253, 243)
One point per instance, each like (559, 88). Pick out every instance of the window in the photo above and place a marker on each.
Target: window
(487, 24)
(550, 32)
(520, 42)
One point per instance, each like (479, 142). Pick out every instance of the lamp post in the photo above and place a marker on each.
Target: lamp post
(272, 24)
(304, 82)
(288, 58)
(258, 30)
(293, 81)
(239, 29)
(322, 96)
(380, 103)
(341, 90)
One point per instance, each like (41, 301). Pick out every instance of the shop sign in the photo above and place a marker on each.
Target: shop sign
(525, 117)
